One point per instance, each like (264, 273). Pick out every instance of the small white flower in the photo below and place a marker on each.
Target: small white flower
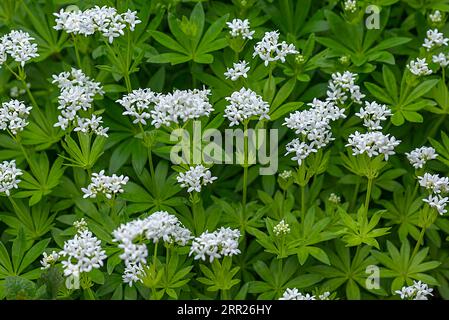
(9, 174)
(441, 59)
(300, 149)
(13, 116)
(245, 104)
(372, 143)
(239, 69)
(137, 104)
(419, 156)
(80, 225)
(434, 183)
(133, 273)
(342, 87)
(286, 174)
(82, 254)
(438, 202)
(436, 16)
(373, 114)
(222, 242)
(195, 178)
(106, 185)
(77, 92)
(419, 67)
(180, 106)
(417, 291)
(18, 44)
(334, 198)
(270, 49)
(86, 125)
(49, 259)
(281, 228)
(104, 20)
(240, 28)
(350, 6)
(434, 39)
(132, 238)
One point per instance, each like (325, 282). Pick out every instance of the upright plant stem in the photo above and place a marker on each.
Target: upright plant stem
(224, 294)
(245, 163)
(354, 196)
(419, 242)
(75, 44)
(303, 202)
(368, 196)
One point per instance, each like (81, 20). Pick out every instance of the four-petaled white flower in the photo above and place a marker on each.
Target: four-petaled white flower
(269, 49)
(239, 69)
(222, 242)
(9, 174)
(245, 104)
(105, 20)
(194, 178)
(240, 28)
(17, 44)
(109, 186)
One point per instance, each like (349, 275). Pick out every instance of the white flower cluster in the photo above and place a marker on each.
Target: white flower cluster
(334, 198)
(441, 59)
(77, 92)
(245, 104)
(434, 183)
(13, 116)
(435, 39)
(294, 294)
(83, 253)
(350, 6)
(195, 178)
(86, 125)
(9, 174)
(436, 16)
(239, 69)
(373, 114)
(181, 105)
(18, 45)
(281, 228)
(419, 67)
(286, 174)
(240, 28)
(49, 259)
(342, 87)
(222, 242)
(419, 156)
(132, 236)
(373, 143)
(417, 291)
(105, 20)
(270, 49)
(80, 225)
(106, 185)
(137, 104)
(314, 127)
(437, 186)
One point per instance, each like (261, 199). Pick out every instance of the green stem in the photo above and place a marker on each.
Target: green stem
(245, 164)
(155, 255)
(150, 162)
(75, 44)
(224, 294)
(354, 196)
(303, 203)
(128, 62)
(368, 196)
(419, 242)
